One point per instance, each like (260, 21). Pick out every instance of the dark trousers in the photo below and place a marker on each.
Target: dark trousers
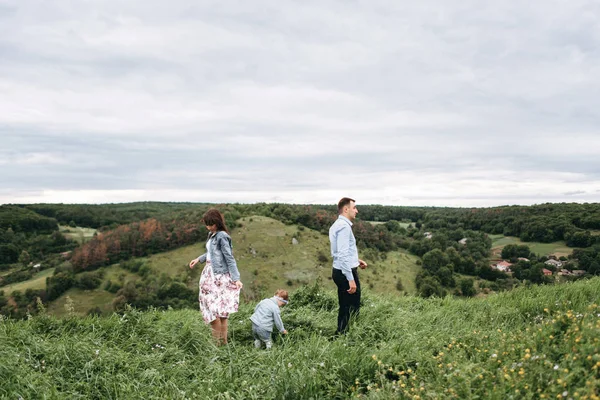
(349, 303)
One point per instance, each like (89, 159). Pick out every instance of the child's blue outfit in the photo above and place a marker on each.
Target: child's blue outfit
(266, 313)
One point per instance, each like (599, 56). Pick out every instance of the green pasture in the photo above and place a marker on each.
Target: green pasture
(79, 234)
(38, 281)
(558, 248)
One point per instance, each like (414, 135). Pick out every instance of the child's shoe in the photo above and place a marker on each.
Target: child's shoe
(269, 344)
(257, 343)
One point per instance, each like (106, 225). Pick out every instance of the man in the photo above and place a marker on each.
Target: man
(345, 263)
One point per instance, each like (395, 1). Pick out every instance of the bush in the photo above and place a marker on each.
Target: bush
(94, 311)
(132, 265)
(467, 287)
(112, 287)
(322, 258)
(89, 280)
(58, 284)
(312, 296)
(429, 286)
(399, 285)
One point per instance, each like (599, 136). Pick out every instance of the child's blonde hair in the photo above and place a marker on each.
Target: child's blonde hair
(282, 294)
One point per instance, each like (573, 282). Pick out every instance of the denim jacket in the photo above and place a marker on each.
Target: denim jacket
(221, 256)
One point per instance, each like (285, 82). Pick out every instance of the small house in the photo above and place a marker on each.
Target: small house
(565, 272)
(554, 263)
(503, 266)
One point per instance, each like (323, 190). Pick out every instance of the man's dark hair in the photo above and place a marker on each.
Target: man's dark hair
(344, 202)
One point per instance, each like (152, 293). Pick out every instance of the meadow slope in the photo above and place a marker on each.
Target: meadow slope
(267, 260)
(529, 343)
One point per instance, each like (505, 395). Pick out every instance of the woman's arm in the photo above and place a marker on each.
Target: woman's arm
(200, 259)
(225, 244)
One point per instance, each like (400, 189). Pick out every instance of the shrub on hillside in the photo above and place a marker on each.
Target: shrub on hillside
(429, 285)
(176, 290)
(58, 284)
(94, 311)
(313, 296)
(112, 287)
(322, 258)
(132, 265)
(467, 287)
(89, 280)
(399, 285)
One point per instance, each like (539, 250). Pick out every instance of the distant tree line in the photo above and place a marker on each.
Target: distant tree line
(571, 222)
(22, 220)
(107, 216)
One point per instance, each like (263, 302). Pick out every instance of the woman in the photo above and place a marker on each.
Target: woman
(220, 279)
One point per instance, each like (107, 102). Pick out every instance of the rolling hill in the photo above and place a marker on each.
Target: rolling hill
(267, 259)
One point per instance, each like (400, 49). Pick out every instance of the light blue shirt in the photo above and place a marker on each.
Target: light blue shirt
(343, 246)
(266, 313)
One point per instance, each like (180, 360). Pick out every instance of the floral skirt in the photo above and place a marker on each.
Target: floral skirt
(219, 296)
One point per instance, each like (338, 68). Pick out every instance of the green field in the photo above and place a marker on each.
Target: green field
(117, 274)
(559, 248)
(402, 224)
(83, 301)
(80, 235)
(38, 281)
(539, 342)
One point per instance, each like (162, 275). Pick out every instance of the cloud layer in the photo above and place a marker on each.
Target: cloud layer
(470, 104)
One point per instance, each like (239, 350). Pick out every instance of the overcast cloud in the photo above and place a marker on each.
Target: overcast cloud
(468, 103)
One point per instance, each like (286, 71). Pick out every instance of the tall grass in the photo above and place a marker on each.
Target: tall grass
(539, 342)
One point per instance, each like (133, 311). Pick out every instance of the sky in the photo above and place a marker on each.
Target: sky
(468, 103)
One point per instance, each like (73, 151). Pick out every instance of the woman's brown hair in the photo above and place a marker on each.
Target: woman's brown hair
(214, 217)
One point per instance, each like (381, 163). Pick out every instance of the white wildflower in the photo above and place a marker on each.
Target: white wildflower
(556, 367)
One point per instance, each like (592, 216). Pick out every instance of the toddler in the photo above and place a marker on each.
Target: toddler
(265, 315)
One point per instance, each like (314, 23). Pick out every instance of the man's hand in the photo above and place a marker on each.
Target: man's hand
(352, 289)
(362, 264)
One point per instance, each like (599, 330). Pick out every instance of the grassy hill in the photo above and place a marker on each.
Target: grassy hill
(529, 343)
(267, 260)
